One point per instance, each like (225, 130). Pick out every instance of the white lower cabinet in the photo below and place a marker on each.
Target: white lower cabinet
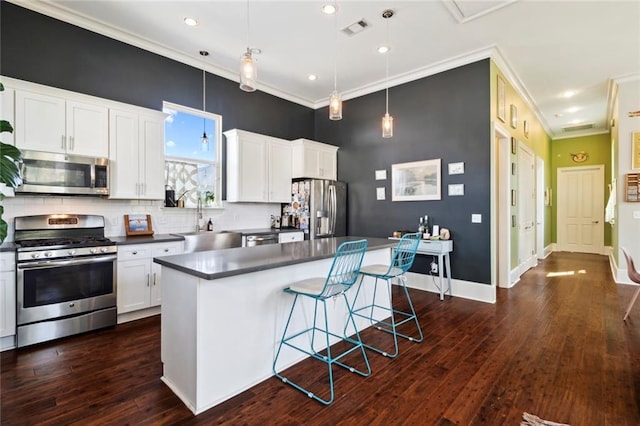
(290, 237)
(138, 277)
(7, 294)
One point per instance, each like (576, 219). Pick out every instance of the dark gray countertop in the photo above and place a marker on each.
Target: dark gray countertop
(8, 246)
(214, 264)
(146, 239)
(262, 231)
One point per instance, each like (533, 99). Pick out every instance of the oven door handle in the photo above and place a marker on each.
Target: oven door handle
(54, 263)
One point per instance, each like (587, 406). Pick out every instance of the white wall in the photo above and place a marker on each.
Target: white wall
(164, 220)
(628, 228)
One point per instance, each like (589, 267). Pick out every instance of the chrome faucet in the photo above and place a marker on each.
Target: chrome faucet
(199, 215)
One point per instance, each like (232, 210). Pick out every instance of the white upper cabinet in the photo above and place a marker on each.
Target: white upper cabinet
(55, 124)
(136, 155)
(7, 113)
(258, 168)
(314, 160)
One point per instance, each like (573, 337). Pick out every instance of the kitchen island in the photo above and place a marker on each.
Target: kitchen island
(224, 311)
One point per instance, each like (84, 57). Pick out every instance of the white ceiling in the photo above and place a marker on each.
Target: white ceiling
(546, 47)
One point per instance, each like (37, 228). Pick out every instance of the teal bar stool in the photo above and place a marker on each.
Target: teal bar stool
(403, 257)
(342, 275)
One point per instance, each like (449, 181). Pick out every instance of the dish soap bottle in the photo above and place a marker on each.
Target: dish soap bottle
(210, 225)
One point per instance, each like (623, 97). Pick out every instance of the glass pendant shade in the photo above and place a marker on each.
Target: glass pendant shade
(248, 72)
(387, 126)
(335, 106)
(205, 142)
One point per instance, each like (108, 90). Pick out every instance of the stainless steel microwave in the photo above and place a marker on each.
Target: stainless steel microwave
(49, 173)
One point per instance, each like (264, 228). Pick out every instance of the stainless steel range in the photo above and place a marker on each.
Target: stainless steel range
(65, 276)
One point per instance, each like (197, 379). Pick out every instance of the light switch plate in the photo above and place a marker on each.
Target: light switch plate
(476, 218)
(381, 175)
(380, 193)
(636, 214)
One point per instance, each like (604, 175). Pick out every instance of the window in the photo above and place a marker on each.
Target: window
(192, 168)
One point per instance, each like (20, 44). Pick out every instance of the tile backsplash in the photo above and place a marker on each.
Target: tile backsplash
(164, 220)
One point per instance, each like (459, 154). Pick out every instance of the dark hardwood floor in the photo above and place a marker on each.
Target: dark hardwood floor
(554, 346)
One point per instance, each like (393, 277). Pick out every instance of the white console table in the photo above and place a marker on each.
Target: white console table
(440, 248)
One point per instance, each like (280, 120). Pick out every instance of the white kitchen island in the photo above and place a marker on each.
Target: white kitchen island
(224, 311)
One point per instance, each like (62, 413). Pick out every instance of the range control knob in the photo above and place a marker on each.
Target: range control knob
(48, 254)
(103, 250)
(35, 255)
(71, 252)
(93, 250)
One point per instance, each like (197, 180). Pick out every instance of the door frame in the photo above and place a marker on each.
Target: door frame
(501, 205)
(561, 245)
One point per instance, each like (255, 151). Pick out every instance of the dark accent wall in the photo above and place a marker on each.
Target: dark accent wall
(443, 116)
(40, 49)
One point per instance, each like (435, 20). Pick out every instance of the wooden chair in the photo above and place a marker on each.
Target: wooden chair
(633, 276)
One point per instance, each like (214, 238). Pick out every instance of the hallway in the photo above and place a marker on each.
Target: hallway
(554, 345)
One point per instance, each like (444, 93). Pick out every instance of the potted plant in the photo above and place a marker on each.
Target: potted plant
(10, 177)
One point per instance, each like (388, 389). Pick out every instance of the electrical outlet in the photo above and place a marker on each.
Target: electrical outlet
(434, 268)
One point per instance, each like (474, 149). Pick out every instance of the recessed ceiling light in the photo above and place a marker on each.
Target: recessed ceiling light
(573, 109)
(190, 21)
(568, 94)
(329, 9)
(383, 49)
(312, 77)
(558, 115)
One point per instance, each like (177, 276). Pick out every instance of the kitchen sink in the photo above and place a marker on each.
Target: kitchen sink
(203, 241)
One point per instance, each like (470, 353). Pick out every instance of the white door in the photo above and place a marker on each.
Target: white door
(581, 209)
(526, 208)
(503, 207)
(540, 207)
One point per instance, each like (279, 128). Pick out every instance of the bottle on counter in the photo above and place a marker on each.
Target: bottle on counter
(421, 225)
(210, 225)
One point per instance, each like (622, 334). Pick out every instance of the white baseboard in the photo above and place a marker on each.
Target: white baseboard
(548, 250)
(514, 277)
(459, 288)
(619, 274)
(7, 342)
(136, 315)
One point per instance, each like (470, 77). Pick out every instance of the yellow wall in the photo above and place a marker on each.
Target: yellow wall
(537, 139)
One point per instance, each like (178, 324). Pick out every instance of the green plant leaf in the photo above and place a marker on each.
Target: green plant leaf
(5, 126)
(1, 87)
(10, 157)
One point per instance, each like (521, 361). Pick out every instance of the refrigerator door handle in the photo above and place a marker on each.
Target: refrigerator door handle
(332, 209)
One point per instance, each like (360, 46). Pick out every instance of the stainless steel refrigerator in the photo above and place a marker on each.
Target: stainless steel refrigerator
(318, 207)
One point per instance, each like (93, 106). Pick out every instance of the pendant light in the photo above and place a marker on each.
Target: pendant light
(335, 103)
(205, 139)
(387, 120)
(248, 66)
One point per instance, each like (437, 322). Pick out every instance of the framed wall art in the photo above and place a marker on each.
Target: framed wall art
(514, 145)
(416, 181)
(635, 150)
(525, 126)
(501, 113)
(138, 224)
(514, 116)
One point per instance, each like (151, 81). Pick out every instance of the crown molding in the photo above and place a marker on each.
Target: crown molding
(581, 134)
(626, 78)
(506, 69)
(61, 13)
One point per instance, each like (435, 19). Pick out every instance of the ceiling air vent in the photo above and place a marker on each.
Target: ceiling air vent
(355, 28)
(578, 127)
